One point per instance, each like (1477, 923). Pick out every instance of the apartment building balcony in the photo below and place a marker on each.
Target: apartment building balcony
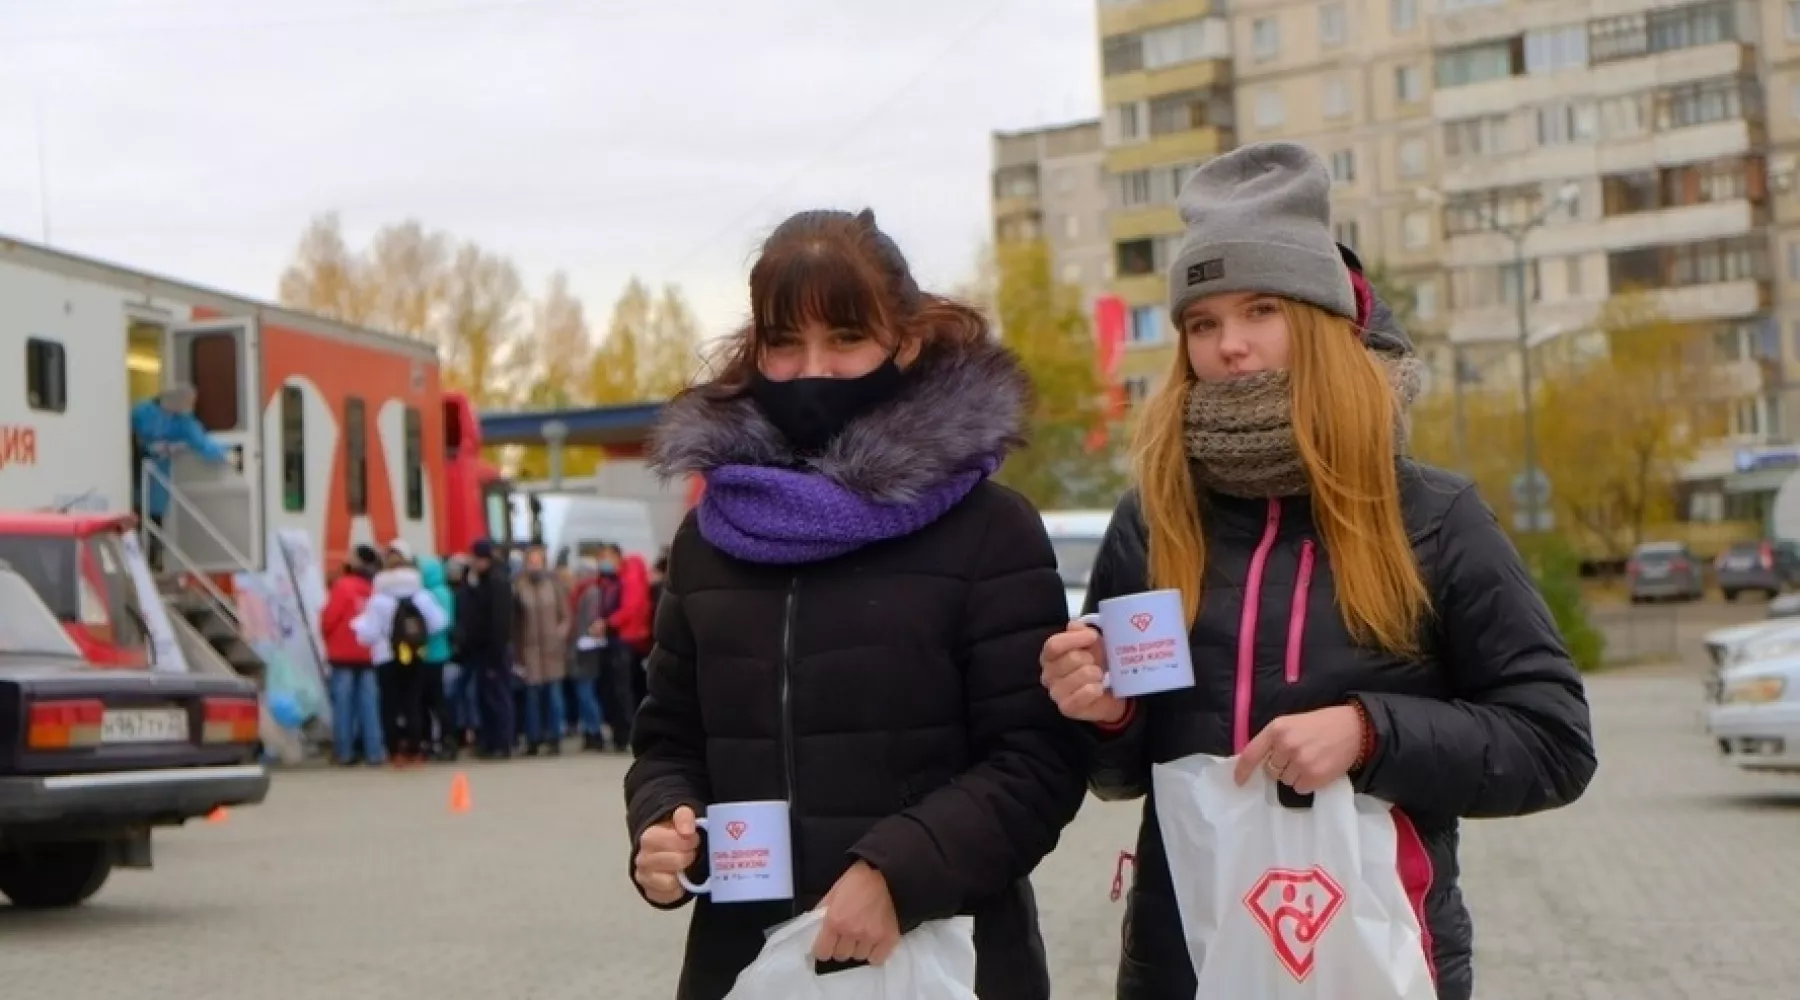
(1015, 206)
(1626, 76)
(1149, 221)
(1462, 23)
(1691, 304)
(1175, 147)
(1673, 147)
(1118, 17)
(1142, 289)
(1684, 224)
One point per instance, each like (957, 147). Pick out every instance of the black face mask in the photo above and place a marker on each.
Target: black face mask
(809, 412)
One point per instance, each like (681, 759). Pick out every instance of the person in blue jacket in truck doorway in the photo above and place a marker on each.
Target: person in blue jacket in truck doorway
(160, 427)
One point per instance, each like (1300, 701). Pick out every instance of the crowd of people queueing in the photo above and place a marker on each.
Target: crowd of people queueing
(430, 658)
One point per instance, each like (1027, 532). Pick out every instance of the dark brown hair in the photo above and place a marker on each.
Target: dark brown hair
(839, 269)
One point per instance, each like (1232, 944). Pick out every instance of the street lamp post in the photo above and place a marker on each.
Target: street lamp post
(1517, 235)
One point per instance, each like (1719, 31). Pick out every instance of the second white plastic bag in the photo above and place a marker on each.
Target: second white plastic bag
(1288, 904)
(936, 961)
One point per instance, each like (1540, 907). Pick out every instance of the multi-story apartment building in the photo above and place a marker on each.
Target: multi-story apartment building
(1352, 79)
(1166, 89)
(1050, 184)
(1650, 119)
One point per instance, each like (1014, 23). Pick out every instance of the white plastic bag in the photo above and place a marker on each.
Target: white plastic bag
(1288, 904)
(936, 961)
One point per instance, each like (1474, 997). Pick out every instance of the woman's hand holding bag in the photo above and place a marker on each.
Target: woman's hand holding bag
(934, 962)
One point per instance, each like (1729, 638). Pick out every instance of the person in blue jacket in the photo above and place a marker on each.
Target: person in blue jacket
(161, 427)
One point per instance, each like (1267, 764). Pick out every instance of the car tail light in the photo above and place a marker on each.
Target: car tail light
(1767, 556)
(231, 720)
(1679, 565)
(1631, 567)
(64, 725)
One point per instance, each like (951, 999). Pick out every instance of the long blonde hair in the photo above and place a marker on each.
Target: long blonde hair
(1344, 415)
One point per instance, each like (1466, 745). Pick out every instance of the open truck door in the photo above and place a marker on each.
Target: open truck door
(215, 518)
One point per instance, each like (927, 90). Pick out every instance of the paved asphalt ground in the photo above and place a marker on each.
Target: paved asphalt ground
(1676, 877)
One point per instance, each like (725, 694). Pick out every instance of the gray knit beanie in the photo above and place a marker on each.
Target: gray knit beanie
(1259, 220)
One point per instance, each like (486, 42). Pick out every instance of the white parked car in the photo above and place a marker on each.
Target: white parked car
(1738, 645)
(1076, 535)
(1756, 720)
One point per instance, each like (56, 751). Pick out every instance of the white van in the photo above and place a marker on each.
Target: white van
(1076, 535)
(572, 525)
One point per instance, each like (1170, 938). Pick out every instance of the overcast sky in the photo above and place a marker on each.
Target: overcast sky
(660, 138)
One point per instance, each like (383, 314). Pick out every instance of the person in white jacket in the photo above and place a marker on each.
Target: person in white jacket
(396, 623)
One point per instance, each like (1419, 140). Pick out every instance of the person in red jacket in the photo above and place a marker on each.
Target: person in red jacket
(355, 696)
(631, 622)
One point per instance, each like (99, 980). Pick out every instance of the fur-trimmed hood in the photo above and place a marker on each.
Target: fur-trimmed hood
(958, 410)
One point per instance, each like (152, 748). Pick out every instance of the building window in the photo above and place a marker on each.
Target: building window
(46, 375)
(1624, 37)
(1071, 273)
(415, 465)
(1403, 15)
(1707, 101)
(1135, 258)
(1415, 230)
(1132, 188)
(293, 448)
(1343, 166)
(1071, 227)
(1409, 85)
(1265, 38)
(1137, 389)
(1624, 116)
(1020, 181)
(1493, 285)
(1566, 122)
(1121, 54)
(1125, 122)
(1332, 24)
(1336, 102)
(1146, 325)
(1690, 26)
(1793, 19)
(1269, 109)
(1793, 264)
(1414, 157)
(1425, 300)
(1551, 50)
(1480, 63)
(1571, 277)
(213, 365)
(1705, 262)
(356, 456)
(1189, 41)
(1187, 110)
(1472, 137)
(1346, 233)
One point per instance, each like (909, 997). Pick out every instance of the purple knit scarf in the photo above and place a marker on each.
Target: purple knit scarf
(788, 516)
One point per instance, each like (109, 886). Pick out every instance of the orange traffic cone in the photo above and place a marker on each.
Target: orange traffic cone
(459, 793)
(218, 815)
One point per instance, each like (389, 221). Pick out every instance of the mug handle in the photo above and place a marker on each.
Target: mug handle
(698, 889)
(1093, 621)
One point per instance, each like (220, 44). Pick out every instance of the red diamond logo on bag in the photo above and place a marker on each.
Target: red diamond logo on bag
(737, 828)
(1141, 621)
(1294, 907)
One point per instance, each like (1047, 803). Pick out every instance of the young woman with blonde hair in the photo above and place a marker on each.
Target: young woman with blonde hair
(1352, 612)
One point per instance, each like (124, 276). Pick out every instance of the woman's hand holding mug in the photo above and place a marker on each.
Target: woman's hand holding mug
(665, 850)
(1071, 671)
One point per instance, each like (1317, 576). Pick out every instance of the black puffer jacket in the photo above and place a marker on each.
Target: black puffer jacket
(1494, 721)
(890, 695)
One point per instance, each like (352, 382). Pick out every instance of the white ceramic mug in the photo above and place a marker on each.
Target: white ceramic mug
(1146, 641)
(749, 854)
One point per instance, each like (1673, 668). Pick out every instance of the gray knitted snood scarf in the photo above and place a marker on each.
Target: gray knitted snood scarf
(1240, 432)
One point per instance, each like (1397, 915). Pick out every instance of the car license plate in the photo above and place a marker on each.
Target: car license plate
(1655, 571)
(144, 725)
(1740, 562)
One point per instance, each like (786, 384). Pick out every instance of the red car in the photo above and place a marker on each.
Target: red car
(77, 564)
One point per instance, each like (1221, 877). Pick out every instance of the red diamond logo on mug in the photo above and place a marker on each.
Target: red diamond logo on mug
(737, 828)
(1141, 621)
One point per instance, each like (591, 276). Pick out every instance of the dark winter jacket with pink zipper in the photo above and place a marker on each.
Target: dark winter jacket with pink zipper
(1492, 721)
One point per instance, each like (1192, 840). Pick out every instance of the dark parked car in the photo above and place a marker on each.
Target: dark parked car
(1664, 571)
(1767, 567)
(92, 759)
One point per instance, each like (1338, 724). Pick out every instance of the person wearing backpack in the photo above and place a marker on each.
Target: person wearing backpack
(397, 625)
